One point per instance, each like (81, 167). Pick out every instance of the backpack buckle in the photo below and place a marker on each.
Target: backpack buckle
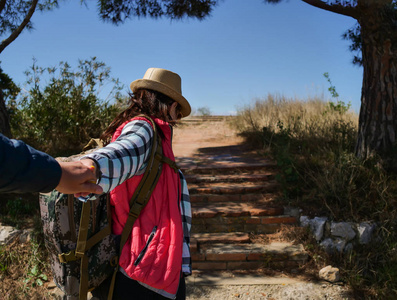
(135, 210)
(66, 257)
(114, 261)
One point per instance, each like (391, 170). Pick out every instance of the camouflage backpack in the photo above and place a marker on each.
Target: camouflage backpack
(82, 250)
(63, 217)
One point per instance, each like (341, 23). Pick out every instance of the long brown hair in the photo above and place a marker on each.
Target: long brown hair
(143, 101)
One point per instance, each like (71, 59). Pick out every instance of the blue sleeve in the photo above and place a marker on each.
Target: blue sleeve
(25, 169)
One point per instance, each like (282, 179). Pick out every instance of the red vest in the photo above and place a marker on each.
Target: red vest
(153, 253)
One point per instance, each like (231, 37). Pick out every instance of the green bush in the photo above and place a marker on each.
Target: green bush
(203, 111)
(60, 115)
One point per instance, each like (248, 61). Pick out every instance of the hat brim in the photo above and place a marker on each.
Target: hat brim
(164, 89)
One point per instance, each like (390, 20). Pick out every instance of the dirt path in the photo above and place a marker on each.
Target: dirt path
(217, 143)
(298, 291)
(211, 143)
(189, 140)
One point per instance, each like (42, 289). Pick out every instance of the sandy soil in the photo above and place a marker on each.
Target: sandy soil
(191, 140)
(300, 291)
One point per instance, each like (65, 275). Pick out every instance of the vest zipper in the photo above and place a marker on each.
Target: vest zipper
(140, 256)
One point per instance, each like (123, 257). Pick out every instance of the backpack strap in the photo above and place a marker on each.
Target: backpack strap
(170, 162)
(84, 244)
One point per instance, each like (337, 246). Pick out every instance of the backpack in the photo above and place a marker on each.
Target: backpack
(82, 250)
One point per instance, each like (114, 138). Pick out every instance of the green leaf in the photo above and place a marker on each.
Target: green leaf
(43, 276)
(35, 270)
(39, 282)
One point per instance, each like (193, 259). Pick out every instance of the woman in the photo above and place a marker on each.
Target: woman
(156, 257)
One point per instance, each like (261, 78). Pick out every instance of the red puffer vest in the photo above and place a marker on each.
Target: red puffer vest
(153, 253)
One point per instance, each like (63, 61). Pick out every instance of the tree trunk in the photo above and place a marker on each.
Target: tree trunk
(377, 132)
(4, 120)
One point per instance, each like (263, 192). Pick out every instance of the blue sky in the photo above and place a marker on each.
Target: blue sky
(244, 50)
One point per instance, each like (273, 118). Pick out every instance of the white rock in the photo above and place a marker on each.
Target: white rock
(304, 221)
(317, 225)
(343, 230)
(365, 231)
(7, 234)
(328, 245)
(329, 274)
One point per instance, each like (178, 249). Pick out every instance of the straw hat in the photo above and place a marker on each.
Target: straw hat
(165, 82)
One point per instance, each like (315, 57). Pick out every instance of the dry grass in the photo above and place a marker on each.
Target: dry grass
(313, 142)
(24, 271)
(308, 120)
(306, 115)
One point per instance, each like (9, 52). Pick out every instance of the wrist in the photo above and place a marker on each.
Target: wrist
(93, 165)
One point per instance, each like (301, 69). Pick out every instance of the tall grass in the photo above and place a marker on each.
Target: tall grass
(313, 142)
(304, 121)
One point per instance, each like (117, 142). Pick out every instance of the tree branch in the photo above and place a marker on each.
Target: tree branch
(18, 31)
(2, 5)
(374, 2)
(349, 11)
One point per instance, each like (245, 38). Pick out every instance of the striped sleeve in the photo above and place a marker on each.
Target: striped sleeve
(123, 158)
(186, 213)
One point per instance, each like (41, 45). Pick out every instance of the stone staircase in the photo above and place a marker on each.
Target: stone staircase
(196, 120)
(233, 206)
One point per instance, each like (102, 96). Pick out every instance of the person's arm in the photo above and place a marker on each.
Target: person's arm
(123, 158)
(25, 169)
(186, 213)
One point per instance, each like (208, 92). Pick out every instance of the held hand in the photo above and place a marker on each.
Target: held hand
(77, 177)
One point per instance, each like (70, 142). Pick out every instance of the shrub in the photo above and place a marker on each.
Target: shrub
(62, 114)
(203, 111)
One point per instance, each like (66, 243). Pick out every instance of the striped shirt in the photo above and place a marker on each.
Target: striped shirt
(127, 156)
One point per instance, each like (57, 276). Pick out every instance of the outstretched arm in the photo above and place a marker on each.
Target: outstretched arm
(25, 169)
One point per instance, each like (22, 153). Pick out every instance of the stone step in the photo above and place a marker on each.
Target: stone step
(233, 189)
(261, 198)
(199, 122)
(228, 167)
(225, 238)
(205, 210)
(205, 119)
(248, 256)
(253, 224)
(232, 202)
(199, 179)
(215, 279)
